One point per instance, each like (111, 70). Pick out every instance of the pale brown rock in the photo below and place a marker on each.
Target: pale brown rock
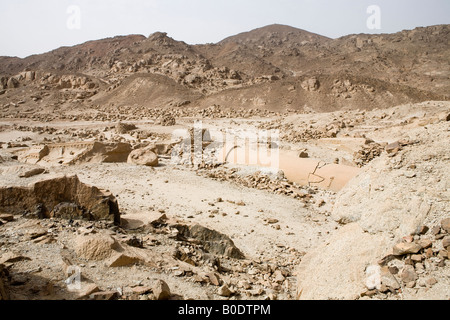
(147, 156)
(94, 247)
(405, 248)
(224, 291)
(86, 290)
(445, 224)
(388, 279)
(430, 282)
(32, 172)
(416, 257)
(278, 276)
(161, 290)
(214, 278)
(425, 243)
(12, 257)
(408, 274)
(121, 260)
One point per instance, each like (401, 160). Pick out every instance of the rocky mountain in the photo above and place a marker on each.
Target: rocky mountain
(275, 67)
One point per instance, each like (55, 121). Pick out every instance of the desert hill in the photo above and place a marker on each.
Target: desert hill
(276, 67)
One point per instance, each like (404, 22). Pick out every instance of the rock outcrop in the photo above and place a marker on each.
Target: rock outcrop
(212, 240)
(76, 152)
(45, 198)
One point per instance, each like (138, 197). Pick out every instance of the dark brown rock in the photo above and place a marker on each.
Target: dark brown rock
(6, 217)
(4, 290)
(429, 253)
(12, 257)
(422, 230)
(12, 83)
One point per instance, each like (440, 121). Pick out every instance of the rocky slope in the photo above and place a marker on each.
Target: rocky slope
(274, 67)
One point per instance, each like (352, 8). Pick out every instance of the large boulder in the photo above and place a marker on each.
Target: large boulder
(212, 240)
(123, 127)
(311, 84)
(12, 83)
(48, 194)
(95, 247)
(377, 201)
(30, 75)
(147, 156)
(336, 269)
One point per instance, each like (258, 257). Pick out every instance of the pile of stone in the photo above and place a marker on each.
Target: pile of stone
(259, 180)
(218, 263)
(308, 134)
(414, 261)
(211, 112)
(367, 153)
(166, 120)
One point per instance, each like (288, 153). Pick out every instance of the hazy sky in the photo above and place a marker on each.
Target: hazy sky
(36, 26)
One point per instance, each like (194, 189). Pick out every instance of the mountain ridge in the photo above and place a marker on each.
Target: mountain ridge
(273, 67)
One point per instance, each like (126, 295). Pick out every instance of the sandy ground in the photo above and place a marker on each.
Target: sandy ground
(269, 229)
